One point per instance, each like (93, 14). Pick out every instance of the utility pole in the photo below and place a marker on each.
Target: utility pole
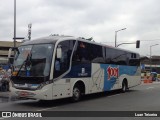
(29, 31)
(15, 38)
(14, 23)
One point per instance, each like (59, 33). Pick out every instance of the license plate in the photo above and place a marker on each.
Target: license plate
(23, 94)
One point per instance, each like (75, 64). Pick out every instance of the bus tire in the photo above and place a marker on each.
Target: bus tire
(124, 86)
(77, 94)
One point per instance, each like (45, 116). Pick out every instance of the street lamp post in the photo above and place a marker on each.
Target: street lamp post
(14, 23)
(116, 35)
(151, 55)
(14, 38)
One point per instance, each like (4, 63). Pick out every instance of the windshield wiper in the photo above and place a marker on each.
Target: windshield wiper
(27, 63)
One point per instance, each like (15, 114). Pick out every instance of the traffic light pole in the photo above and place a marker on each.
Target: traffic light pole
(137, 44)
(124, 43)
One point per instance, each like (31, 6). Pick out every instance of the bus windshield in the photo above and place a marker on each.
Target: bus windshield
(33, 60)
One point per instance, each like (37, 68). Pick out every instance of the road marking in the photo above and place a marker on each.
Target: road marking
(113, 95)
(46, 109)
(57, 107)
(150, 88)
(2, 118)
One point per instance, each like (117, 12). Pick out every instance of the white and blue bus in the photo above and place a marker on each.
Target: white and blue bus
(57, 67)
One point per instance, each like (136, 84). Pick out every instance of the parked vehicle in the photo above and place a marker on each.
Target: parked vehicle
(154, 76)
(4, 81)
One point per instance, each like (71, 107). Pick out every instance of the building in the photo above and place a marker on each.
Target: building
(4, 48)
(152, 64)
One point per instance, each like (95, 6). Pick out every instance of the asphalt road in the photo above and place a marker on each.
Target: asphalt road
(145, 97)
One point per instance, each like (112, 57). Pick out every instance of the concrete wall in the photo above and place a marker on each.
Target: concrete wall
(4, 47)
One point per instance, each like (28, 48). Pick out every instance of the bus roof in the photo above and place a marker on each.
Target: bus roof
(49, 39)
(53, 39)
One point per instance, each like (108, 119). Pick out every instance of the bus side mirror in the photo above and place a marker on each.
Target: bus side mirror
(138, 44)
(59, 52)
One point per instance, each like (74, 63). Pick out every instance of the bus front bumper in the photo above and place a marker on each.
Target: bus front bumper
(43, 94)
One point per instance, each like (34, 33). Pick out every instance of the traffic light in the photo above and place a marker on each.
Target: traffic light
(138, 44)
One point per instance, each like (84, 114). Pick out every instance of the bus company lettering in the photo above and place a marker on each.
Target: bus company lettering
(112, 72)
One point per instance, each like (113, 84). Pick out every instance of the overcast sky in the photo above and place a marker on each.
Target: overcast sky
(86, 18)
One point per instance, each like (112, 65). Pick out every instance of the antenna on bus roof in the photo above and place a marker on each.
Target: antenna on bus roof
(54, 35)
(89, 39)
(29, 31)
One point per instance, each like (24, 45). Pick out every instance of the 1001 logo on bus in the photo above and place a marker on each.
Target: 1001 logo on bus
(112, 72)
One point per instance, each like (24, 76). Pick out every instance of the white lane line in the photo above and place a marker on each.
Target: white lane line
(150, 88)
(1, 118)
(113, 95)
(46, 109)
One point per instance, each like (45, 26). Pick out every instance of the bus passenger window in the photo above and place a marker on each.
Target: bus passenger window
(82, 51)
(96, 55)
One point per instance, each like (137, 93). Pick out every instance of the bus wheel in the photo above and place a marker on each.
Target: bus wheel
(76, 94)
(124, 86)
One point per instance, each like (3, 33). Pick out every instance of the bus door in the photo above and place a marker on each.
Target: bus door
(61, 86)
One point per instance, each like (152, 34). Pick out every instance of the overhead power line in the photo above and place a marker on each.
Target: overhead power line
(152, 40)
(140, 40)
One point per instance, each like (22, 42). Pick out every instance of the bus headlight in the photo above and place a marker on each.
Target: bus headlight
(44, 84)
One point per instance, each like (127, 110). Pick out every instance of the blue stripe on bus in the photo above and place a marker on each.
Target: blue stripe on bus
(110, 78)
(79, 71)
(76, 72)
